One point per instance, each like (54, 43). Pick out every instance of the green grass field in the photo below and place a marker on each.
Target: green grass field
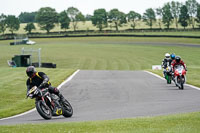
(103, 53)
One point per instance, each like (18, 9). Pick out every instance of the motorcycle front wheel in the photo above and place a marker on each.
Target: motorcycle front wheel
(181, 82)
(43, 110)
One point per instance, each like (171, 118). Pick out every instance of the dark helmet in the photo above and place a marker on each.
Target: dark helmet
(173, 56)
(178, 58)
(30, 71)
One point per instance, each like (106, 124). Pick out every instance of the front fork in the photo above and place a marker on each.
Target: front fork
(179, 80)
(43, 101)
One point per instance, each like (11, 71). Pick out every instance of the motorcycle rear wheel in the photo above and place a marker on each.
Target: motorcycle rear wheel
(43, 110)
(67, 109)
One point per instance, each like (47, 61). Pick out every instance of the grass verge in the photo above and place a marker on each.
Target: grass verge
(180, 123)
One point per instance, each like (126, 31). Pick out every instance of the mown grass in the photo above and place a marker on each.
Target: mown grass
(181, 123)
(109, 53)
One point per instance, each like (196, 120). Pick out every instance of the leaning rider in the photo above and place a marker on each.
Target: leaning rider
(166, 62)
(40, 80)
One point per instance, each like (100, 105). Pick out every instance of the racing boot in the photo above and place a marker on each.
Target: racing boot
(58, 93)
(61, 97)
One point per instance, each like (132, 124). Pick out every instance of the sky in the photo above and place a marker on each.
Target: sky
(15, 7)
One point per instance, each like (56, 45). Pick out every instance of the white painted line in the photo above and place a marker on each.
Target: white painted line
(155, 75)
(194, 87)
(67, 80)
(18, 115)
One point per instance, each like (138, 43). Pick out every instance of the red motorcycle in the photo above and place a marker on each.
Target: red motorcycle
(180, 76)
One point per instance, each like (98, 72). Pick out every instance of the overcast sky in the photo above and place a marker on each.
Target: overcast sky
(15, 7)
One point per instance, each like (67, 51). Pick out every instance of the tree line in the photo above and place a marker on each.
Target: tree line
(185, 14)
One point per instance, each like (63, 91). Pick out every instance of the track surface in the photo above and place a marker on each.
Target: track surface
(105, 95)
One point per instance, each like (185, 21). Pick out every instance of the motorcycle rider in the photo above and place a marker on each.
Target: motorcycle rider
(173, 56)
(41, 80)
(178, 61)
(166, 62)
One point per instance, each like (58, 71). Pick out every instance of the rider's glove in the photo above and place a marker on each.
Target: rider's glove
(38, 92)
(43, 84)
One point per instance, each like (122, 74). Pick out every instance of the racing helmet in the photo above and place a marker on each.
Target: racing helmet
(173, 56)
(167, 55)
(178, 58)
(30, 71)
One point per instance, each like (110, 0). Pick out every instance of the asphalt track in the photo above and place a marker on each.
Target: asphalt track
(106, 95)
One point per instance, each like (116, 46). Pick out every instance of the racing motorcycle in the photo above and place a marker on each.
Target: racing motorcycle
(48, 104)
(180, 76)
(168, 74)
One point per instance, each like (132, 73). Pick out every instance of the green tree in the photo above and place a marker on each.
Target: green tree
(64, 20)
(175, 9)
(75, 16)
(133, 17)
(12, 23)
(26, 17)
(159, 14)
(99, 18)
(47, 17)
(198, 15)
(117, 17)
(192, 10)
(29, 27)
(167, 15)
(80, 17)
(3, 23)
(149, 17)
(184, 16)
(88, 17)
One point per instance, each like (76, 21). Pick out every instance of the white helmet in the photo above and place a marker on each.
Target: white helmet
(167, 55)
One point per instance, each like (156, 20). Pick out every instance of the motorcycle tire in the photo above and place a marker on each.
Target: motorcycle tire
(181, 87)
(170, 79)
(43, 110)
(67, 109)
